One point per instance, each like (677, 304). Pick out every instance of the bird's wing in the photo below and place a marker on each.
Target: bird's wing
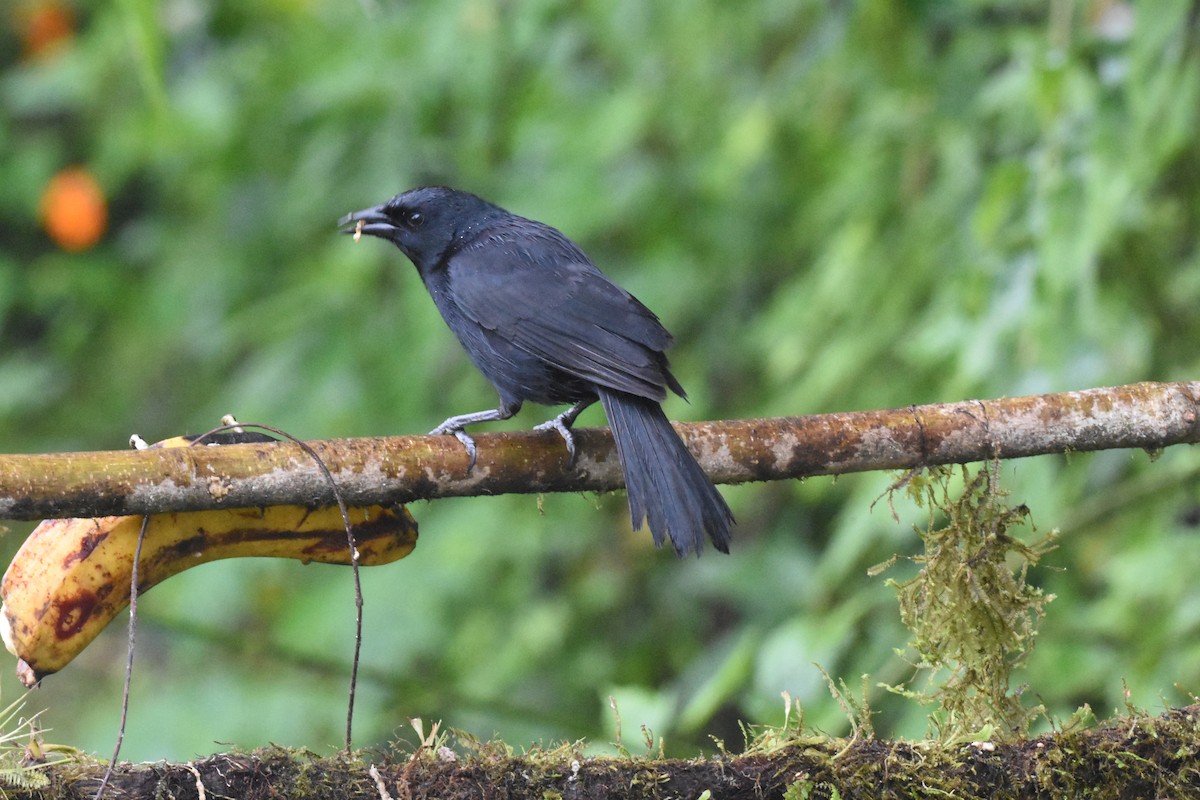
(547, 299)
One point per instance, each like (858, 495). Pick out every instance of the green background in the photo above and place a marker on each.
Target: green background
(833, 206)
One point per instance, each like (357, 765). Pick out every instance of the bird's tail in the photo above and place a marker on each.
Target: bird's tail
(666, 486)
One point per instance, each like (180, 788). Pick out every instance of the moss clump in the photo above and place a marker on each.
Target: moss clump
(972, 614)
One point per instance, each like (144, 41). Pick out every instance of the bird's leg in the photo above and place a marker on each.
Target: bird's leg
(455, 426)
(563, 422)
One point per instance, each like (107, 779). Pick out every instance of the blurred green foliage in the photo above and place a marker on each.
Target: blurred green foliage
(833, 206)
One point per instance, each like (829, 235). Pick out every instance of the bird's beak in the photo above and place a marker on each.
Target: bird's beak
(371, 221)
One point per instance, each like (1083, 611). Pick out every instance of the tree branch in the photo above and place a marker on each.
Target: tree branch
(405, 468)
(1139, 756)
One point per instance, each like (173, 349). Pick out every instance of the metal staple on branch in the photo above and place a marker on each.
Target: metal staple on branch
(405, 468)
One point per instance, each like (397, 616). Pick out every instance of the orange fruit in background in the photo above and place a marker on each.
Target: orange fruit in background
(73, 209)
(44, 27)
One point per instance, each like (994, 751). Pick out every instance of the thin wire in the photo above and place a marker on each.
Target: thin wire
(133, 594)
(354, 555)
(133, 598)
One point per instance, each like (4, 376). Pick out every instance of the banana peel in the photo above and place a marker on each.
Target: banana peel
(71, 577)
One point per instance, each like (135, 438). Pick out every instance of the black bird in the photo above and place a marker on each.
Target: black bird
(542, 323)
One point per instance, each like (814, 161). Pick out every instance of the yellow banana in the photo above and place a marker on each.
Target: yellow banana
(72, 576)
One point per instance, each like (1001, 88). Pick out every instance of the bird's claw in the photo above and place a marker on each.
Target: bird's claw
(557, 424)
(464, 437)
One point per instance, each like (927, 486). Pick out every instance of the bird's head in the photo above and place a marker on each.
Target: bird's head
(422, 222)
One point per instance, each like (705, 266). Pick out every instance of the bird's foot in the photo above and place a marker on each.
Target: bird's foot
(455, 426)
(561, 424)
(458, 433)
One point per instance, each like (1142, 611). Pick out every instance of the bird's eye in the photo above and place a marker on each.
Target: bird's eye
(414, 219)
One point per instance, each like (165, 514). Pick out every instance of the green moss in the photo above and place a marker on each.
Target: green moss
(972, 613)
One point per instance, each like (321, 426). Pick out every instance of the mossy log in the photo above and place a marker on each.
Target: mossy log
(1135, 756)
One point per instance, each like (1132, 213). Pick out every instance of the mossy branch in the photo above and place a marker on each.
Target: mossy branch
(1139, 756)
(405, 468)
